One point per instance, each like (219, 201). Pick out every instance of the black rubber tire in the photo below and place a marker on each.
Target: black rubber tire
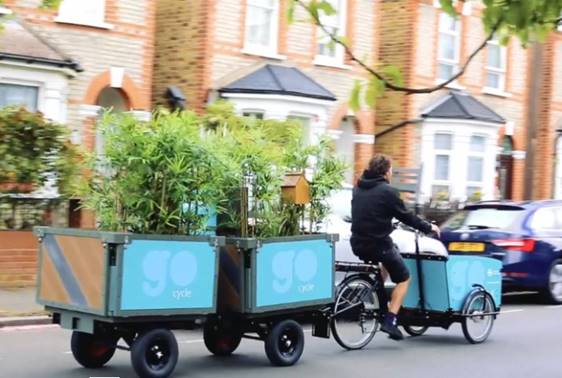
(490, 306)
(221, 341)
(352, 282)
(154, 353)
(415, 330)
(550, 296)
(92, 351)
(285, 343)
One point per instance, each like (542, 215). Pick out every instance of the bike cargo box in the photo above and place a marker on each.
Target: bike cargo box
(447, 281)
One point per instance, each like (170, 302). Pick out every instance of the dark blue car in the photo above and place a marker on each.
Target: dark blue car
(525, 236)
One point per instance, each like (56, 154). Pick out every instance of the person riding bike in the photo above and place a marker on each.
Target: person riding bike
(373, 206)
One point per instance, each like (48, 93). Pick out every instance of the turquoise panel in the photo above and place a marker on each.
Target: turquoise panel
(291, 272)
(435, 285)
(465, 271)
(168, 275)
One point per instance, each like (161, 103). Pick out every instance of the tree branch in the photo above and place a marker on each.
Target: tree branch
(379, 76)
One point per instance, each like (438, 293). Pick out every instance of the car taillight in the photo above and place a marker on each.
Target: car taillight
(523, 245)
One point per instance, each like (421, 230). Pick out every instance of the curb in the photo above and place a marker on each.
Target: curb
(24, 321)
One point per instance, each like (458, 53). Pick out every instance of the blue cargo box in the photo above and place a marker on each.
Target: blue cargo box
(448, 280)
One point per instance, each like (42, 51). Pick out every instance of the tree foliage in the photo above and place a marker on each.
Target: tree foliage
(528, 20)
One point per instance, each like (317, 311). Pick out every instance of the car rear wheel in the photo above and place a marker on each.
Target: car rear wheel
(554, 290)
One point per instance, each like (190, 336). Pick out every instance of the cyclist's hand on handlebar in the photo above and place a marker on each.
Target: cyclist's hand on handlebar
(435, 229)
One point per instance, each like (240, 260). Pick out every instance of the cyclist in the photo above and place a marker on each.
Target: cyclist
(373, 206)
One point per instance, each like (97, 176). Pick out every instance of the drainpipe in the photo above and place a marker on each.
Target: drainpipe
(533, 116)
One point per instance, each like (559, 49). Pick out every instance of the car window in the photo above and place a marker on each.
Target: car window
(544, 219)
(483, 218)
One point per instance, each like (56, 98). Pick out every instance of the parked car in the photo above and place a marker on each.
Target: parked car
(339, 222)
(525, 236)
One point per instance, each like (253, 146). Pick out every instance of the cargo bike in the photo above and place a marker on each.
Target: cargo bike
(443, 290)
(129, 291)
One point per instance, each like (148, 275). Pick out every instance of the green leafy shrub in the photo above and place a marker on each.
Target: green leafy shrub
(34, 149)
(169, 174)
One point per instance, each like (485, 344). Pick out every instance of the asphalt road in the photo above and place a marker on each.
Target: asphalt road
(526, 342)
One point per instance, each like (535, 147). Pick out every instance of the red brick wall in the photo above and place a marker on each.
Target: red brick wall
(396, 47)
(18, 258)
(182, 55)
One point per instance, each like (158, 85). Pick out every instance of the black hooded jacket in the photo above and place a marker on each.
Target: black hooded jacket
(373, 206)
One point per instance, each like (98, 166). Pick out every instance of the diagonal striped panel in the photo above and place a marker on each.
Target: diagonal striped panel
(52, 289)
(230, 280)
(64, 271)
(73, 271)
(85, 257)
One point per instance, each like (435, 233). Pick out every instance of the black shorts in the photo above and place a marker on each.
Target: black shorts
(392, 262)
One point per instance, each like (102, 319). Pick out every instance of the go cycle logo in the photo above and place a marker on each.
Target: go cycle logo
(294, 270)
(163, 270)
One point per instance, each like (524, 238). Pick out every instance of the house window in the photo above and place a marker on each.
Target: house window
(253, 114)
(262, 26)
(449, 47)
(327, 51)
(496, 65)
(91, 12)
(475, 165)
(442, 146)
(19, 95)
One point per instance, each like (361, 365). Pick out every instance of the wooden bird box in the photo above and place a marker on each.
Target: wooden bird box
(296, 189)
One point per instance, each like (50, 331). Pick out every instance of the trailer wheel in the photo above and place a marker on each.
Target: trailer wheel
(154, 353)
(285, 343)
(221, 341)
(415, 330)
(92, 351)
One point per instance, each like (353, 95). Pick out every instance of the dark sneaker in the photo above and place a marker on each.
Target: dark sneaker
(389, 326)
(392, 330)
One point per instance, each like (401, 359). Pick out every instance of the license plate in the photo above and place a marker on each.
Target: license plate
(466, 247)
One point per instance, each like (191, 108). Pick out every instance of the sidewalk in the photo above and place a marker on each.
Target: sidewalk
(18, 308)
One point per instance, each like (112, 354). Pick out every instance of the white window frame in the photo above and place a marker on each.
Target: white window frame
(341, 25)
(457, 34)
(479, 155)
(68, 14)
(24, 83)
(270, 51)
(501, 71)
(461, 131)
(442, 152)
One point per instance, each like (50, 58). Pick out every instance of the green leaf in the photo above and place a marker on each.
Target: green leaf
(448, 7)
(327, 8)
(393, 74)
(291, 11)
(355, 98)
(50, 4)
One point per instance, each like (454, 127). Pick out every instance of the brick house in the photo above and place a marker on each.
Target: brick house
(245, 51)
(491, 131)
(69, 64)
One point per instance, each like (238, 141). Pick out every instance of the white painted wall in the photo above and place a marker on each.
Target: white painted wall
(53, 87)
(461, 130)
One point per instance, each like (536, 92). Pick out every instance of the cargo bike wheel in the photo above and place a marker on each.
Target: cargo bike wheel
(355, 314)
(284, 343)
(93, 350)
(154, 353)
(221, 340)
(415, 330)
(478, 316)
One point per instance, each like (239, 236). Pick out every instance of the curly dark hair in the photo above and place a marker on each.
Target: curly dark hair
(380, 164)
